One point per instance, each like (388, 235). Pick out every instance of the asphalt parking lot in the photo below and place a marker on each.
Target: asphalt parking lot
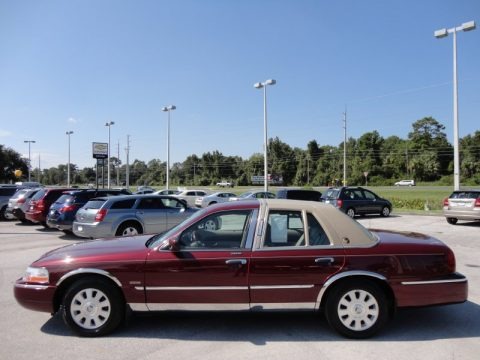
(448, 332)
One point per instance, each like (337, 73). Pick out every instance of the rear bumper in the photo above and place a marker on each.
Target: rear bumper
(59, 224)
(35, 216)
(447, 290)
(91, 231)
(463, 215)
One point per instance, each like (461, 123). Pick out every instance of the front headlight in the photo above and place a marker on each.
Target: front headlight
(36, 275)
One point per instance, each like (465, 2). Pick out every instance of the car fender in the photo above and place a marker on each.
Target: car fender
(125, 218)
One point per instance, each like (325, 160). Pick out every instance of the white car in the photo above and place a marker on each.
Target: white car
(225, 184)
(405, 183)
(218, 197)
(190, 196)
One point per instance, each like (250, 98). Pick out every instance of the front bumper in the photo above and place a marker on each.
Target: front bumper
(35, 297)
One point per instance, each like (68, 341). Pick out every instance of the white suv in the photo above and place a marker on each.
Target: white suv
(405, 183)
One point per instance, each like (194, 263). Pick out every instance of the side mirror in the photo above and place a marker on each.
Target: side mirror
(173, 244)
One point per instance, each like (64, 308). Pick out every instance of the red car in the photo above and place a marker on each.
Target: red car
(40, 204)
(263, 255)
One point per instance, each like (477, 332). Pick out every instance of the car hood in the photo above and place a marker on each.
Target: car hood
(101, 250)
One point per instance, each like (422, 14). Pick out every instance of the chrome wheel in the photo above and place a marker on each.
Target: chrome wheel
(358, 310)
(90, 308)
(211, 225)
(130, 231)
(385, 211)
(351, 212)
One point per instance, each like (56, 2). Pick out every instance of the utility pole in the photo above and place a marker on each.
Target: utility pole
(345, 147)
(118, 163)
(127, 168)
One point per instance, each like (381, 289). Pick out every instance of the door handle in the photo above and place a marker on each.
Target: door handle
(236, 262)
(324, 261)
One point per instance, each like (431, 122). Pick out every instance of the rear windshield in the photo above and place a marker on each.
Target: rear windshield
(39, 195)
(330, 194)
(94, 204)
(65, 198)
(465, 195)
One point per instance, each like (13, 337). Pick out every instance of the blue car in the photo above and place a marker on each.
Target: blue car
(62, 212)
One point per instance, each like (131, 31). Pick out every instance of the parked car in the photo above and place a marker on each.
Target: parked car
(129, 215)
(214, 198)
(190, 196)
(265, 255)
(40, 204)
(462, 205)
(405, 183)
(166, 192)
(299, 194)
(255, 194)
(6, 192)
(62, 212)
(23, 204)
(357, 201)
(225, 184)
(17, 199)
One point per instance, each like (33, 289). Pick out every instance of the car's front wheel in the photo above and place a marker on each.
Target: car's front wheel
(93, 307)
(452, 221)
(357, 309)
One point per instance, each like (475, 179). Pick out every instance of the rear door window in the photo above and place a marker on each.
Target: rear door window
(94, 204)
(123, 204)
(154, 203)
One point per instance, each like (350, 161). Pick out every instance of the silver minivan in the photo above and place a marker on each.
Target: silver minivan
(129, 215)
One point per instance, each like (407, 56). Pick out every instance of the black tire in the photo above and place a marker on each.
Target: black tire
(93, 307)
(452, 221)
(350, 212)
(357, 309)
(45, 225)
(385, 211)
(129, 229)
(2, 213)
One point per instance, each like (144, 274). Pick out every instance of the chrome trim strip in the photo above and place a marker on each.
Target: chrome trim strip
(282, 306)
(268, 287)
(342, 275)
(138, 306)
(197, 307)
(432, 282)
(32, 286)
(88, 271)
(190, 288)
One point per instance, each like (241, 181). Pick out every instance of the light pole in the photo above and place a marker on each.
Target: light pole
(168, 109)
(456, 156)
(29, 157)
(68, 133)
(264, 85)
(109, 124)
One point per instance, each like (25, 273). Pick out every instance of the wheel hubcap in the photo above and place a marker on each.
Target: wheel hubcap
(130, 231)
(358, 310)
(90, 308)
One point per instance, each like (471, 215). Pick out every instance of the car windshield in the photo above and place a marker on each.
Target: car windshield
(159, 238)
(39, 195)
(330, 194)
(465, 195)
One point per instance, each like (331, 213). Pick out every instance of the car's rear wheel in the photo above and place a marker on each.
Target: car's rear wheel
(129, 229)
(2, 213)
(351, 212)
(93, 307)
(385, 211)
(357, 309)
(452, 221)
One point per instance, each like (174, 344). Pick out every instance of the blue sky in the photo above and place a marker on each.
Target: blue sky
(74, 65)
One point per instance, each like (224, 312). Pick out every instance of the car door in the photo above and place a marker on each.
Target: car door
(174, 211)
(293, 261)
(371, 203)
(151, 213)
(207, 269)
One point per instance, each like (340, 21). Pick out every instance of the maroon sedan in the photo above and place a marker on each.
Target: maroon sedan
(40, 204)
(261, 255)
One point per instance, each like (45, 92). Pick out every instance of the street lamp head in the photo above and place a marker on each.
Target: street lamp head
(69, 132)
(168, 108)
(468, 26)
(29, 141)
(110, 123)
(441, 33)
(270, 82)
(258, 85)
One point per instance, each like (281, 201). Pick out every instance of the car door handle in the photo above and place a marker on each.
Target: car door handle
(236, 262)
(324, 261)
